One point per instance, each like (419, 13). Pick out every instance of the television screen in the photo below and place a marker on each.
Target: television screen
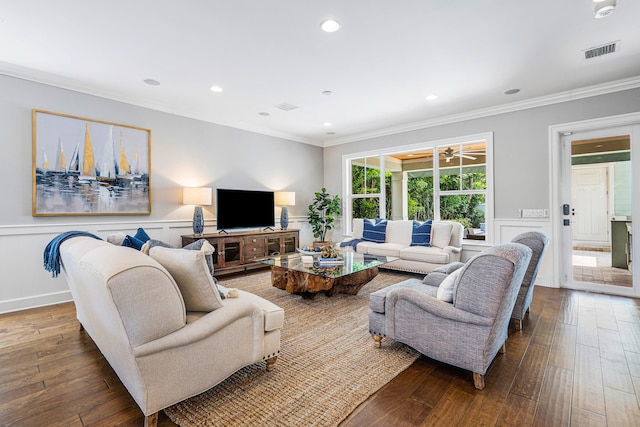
(244, 209)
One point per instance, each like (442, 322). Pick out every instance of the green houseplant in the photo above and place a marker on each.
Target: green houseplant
(322, 212)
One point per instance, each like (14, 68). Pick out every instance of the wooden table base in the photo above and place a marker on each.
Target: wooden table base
(308, 285)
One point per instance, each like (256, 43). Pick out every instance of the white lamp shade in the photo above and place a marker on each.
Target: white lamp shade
(199, 196)
(285, 198)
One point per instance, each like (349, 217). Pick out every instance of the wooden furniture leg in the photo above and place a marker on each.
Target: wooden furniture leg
(151, 420)
(271, 362)
(518, 324)
(503, 349)
(478, 381)
(377, 341)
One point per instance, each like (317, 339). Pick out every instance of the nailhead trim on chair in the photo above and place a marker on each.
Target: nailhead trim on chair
(269, 356)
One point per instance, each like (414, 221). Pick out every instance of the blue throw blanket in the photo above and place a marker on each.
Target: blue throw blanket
(351, 243)
(52, 251)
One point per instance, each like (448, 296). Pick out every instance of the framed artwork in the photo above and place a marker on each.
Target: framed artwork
(89, 167)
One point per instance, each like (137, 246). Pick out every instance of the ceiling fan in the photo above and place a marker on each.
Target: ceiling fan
(450, 153)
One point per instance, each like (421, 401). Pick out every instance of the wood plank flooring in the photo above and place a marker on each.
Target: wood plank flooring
(576, 362)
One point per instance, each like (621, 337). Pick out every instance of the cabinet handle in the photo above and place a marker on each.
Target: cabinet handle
(254, 240)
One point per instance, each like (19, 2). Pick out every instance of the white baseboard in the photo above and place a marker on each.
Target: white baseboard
(18, 304)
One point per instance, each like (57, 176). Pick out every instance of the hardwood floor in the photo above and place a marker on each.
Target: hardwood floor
(576, 362)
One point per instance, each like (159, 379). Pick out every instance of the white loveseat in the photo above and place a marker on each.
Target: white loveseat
(134, 311)
(446, 245)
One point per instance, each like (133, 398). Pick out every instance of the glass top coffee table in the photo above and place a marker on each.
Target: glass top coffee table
(348, 276)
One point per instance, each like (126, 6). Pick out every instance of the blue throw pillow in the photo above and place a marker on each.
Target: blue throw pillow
(421, 234)
(141, 237)
(374, 232)
(132, 242)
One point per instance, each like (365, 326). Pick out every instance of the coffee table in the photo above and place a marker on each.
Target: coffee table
(290, 273)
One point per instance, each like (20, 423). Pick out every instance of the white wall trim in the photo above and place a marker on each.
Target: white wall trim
(556, 133)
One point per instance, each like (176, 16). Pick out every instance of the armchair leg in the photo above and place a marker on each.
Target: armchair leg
(518, 324)
(151, 420)
(377, 341)
(503, 349)
(478, 381)
(271, 362)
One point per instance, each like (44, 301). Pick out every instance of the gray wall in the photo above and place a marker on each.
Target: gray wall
(185, 152)
(521, 147)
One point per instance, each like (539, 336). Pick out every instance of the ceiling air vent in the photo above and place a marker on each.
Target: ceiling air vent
(285, 106)
(605, 49)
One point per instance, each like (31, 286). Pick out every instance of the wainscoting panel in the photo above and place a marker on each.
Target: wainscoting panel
(505, 230)
(26, 284)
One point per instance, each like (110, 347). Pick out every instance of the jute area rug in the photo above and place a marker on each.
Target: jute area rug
(327, 366)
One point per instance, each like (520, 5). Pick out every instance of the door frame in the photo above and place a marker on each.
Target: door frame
(561, 235)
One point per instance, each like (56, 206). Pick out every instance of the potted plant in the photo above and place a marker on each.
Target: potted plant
(322, 212)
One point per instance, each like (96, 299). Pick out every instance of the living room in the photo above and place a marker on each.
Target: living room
(190, 150)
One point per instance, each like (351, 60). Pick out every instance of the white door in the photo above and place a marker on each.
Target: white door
(588, 182)
(589, 201)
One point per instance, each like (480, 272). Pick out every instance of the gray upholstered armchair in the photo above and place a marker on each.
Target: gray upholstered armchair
(467, 333)
(538, 243)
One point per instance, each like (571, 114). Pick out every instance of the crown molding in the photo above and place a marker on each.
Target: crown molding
(36, 76)
(49, 79)
(571, 95)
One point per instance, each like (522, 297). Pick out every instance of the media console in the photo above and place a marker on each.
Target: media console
(238, 251)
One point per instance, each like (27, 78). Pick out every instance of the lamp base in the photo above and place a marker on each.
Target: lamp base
(284, 218)
(198, 220)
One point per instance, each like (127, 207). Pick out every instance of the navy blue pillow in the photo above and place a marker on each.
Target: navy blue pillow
(136, 241)
(132, 242)
(142, 235)
(421, 234)
(374, 232)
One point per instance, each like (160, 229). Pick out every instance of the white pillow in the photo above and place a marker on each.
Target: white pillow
(441, 234)
(445, 290)
(190, 271)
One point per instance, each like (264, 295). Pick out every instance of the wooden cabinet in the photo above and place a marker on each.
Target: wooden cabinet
(236, 252)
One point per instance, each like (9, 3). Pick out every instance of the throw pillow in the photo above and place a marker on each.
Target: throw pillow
(441, 234)
(374, 232)
(136, 241)
(421, 234)
(206, 247)
(153, 243)
(446, 288)
(189, 270)
(132, 242)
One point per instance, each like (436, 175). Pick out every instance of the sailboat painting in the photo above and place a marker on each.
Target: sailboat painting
(107, 172)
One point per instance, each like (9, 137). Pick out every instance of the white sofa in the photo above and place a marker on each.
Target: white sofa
(446, 245)
(134, 311)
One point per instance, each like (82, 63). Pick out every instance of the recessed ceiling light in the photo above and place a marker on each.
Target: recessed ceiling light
(216, 89)
(264, 113)
(330, 25)
(327, 124)
(151, 82)
(511, 91)
(431, 97)
(331, 133)
(327, 92)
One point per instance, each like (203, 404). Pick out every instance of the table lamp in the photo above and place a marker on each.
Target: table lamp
(199, 197)
(284, 199)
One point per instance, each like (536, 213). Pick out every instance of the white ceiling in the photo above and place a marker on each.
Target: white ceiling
(380, 65)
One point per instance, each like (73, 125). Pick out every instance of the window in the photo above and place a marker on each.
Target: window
(443, 180)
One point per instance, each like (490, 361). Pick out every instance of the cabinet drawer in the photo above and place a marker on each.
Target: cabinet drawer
(254, 248)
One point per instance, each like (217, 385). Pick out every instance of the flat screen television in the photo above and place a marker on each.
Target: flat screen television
(244, 209)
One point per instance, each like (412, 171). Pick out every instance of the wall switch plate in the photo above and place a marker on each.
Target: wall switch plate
(534, 213)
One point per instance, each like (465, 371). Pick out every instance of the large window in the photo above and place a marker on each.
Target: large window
(449, 180)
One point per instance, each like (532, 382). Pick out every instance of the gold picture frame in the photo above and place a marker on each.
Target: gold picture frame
(107, 173)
